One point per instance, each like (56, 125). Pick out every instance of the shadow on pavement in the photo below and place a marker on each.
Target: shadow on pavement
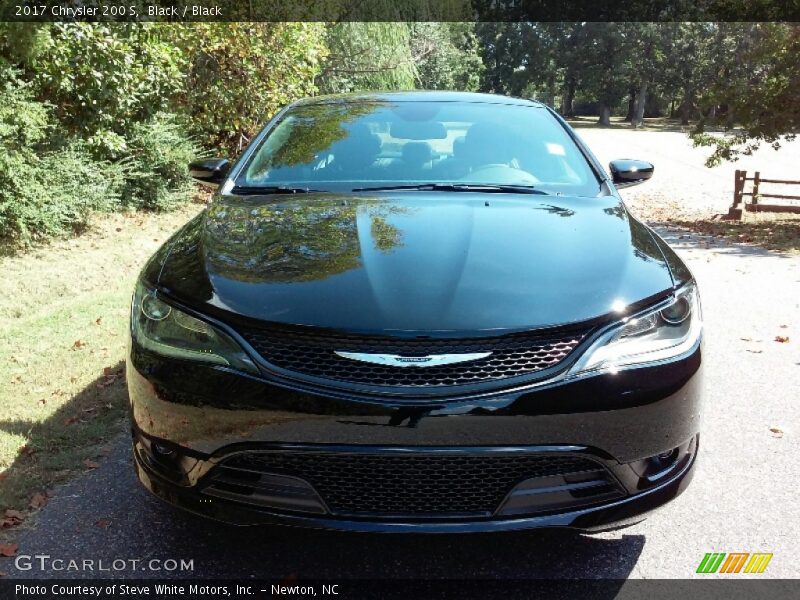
(772, 239)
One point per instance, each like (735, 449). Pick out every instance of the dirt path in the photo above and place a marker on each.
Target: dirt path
(682, 186)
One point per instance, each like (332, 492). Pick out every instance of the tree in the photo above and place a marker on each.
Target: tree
(609, 49)
(446, 56)
(367, 56)
(760, 93)
(646, 64)
(240, 74)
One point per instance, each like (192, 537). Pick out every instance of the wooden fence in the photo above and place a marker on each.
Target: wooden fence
(755, 204)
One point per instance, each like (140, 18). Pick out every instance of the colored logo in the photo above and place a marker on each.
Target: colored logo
(735, 562)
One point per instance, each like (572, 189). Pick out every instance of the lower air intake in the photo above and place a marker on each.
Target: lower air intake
(415, 483)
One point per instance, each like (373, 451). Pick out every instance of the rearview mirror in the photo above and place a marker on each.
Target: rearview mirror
(627, 172)
(210, 171)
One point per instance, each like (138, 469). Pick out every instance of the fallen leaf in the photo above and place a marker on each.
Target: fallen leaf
(8, 549)
(98, 320)
(3, 475)
(70, 421)
(776, 432)
(12, 518)
(90, 464)
(38, 500)
(27, 450)
(78, 344)
(782, 338)
(103, 523)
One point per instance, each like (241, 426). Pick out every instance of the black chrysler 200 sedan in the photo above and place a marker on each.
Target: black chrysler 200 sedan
(416, 312)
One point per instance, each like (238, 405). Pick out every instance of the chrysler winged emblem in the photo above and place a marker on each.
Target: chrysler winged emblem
(394, 360)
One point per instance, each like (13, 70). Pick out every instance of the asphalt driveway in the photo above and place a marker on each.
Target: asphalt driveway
(743, 497)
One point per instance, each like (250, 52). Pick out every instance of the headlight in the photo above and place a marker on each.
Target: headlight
(165, 330)
(666, 331)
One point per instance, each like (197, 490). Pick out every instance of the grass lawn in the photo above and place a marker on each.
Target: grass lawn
(63, 316)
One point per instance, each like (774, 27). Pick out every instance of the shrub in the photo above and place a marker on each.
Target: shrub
(106, 76)
(155, 155)
(46, 189)
(54, 193)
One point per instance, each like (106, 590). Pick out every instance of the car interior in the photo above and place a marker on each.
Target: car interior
(429, 151)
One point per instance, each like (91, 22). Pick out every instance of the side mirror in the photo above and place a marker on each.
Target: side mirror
(627, 172)
(210, 171)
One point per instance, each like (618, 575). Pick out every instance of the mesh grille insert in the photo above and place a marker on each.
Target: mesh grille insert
(513, 355)
(385, 484)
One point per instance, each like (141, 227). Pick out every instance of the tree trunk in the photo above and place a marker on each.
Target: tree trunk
(605, 115)
(641, 98)
(568, 102)
(631, 106)
(686, 108)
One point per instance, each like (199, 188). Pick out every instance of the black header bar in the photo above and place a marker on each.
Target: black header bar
(400, 10)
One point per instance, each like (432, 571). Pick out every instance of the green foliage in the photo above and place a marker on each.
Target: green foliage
(760, 95)
(96, 115)
(240, 74)
(446, 56)
(105, 77)
(367, 57)
(45, 190)
(156, 154)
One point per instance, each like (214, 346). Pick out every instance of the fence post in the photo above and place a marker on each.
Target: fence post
(756, 181)
(735, 211)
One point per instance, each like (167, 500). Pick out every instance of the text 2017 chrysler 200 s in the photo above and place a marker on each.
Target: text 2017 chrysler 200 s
(416, 312)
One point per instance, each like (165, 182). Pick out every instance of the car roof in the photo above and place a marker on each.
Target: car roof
(420, 96)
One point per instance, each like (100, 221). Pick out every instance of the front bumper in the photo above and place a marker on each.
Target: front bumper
(200, 416)
(596, 518)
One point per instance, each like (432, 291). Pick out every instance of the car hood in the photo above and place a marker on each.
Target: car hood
(412, 261)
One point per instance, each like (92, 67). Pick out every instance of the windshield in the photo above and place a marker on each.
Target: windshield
(351, 145)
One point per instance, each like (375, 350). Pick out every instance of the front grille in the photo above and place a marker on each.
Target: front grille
(410, 483)
(513, 355)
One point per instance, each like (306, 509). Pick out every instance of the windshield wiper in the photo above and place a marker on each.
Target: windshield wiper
(488, 188)
(271, 189)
